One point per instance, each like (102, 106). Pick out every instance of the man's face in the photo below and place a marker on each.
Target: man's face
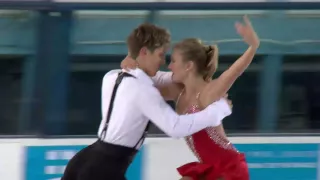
(155, 59)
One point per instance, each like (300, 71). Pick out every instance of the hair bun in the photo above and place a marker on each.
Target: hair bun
(209, 52)
(208, 49)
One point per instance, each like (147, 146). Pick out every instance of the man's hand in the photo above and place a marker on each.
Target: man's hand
(228, 101)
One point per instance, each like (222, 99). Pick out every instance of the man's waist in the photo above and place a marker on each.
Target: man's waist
(115, 149)
(118, 156)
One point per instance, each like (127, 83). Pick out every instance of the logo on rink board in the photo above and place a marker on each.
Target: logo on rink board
(49, 162)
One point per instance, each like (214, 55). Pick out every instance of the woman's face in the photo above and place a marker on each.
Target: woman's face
(178, 66)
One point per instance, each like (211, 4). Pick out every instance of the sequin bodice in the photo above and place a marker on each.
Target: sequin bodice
(219, 142)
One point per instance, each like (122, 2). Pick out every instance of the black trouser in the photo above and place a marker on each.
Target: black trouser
(99, 161)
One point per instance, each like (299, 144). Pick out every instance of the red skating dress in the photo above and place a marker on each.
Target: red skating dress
(218, 158)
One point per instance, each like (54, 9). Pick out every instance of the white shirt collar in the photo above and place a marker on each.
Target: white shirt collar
(141, 75)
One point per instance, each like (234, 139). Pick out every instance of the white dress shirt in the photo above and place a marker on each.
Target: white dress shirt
(162, 78)
(137, 101)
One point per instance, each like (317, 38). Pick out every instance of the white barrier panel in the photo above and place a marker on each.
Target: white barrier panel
(276, 158)
(11, 161)
(163, 156)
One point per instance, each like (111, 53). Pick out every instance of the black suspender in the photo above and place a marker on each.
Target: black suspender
(104, 130)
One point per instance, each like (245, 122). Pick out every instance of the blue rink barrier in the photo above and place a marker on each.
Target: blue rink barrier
(48, 162)
(282, 161)
(266, 161)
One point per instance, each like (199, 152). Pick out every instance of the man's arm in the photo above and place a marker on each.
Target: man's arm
(162, 78)
(153, 106)
(168, 89)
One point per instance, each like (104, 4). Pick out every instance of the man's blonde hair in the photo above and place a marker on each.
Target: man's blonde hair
(149, 36)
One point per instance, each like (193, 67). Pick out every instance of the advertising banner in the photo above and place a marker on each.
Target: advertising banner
(49, 162)
(282, 161)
